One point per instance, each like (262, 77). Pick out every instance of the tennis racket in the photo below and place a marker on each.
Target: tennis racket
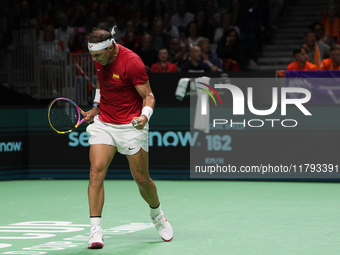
(64, 115)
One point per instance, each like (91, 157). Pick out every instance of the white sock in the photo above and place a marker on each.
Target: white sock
(154, 212)
(96, 221)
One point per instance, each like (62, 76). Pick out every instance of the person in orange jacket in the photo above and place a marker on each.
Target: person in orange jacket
(332, 63)
(301, 62)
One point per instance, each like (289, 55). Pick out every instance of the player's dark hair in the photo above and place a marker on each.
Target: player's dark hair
(90, 12)
(98, 35)
(182, 1)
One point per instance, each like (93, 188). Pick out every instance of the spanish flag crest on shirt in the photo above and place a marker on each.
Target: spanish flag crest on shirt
(114, 75)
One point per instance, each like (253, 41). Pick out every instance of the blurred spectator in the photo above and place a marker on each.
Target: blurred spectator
(249, 46)
(156, 10)
(238, 15)
(229, 51)
(57, 7)
(210, 58)
(64, 32)
(332, 63)
(147, 53)
(105, 26)
(331, 21)
(116, 7)
(103, 12)
(45, 12)
(35, 25)
(111, 22)
(131, 40)
(213, 17)
(255, 14)
(182, 18)
(176, 53)
(48, 34)
(22, 19)
(191, 37)
(317, 50)
(143, 7)
(120, 28)
(130, 11)
(317, 27)
(63, 6)
(225, 24)
(204, 28)
(163, 65)
(194, 5)
(170, 6)
(91, 22)
(77, 15)
(196, 63)
(169, 29)
(143, 26)
(301, 62)
(78, 41)
(8, 14)
(50, 54)
(275, 7)
(160, 39)
(30, 43)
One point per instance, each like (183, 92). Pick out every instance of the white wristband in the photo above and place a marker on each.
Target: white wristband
(97, 96)
(147, 111)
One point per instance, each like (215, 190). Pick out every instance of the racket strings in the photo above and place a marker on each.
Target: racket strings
(63, 115)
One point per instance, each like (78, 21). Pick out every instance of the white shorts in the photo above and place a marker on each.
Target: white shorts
(125, 137)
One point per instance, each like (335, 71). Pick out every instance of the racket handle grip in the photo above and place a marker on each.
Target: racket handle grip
(80, 122)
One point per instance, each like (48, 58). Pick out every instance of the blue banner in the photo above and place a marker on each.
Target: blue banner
(323, 85)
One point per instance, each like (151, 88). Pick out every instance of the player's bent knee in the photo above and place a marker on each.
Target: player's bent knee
(97, 175)
(96, 180)
(98, 170)
(143, 183)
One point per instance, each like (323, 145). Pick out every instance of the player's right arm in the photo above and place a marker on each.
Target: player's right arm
(145, 92)
(94, 111)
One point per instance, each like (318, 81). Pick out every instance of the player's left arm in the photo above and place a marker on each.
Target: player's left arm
(148, 104)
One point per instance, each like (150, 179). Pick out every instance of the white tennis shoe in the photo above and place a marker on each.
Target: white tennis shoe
(163, 227)
(96, 240)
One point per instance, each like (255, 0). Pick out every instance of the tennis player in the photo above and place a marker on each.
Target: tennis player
(125, 102)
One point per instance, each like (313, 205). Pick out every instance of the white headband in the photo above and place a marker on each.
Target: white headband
(102, 45)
